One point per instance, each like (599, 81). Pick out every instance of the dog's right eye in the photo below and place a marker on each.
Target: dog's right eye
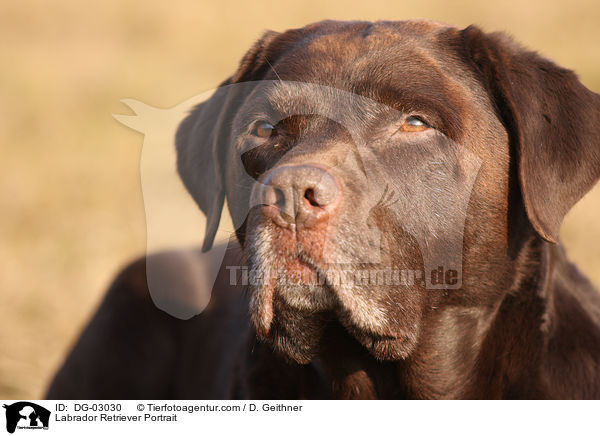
(263, 130)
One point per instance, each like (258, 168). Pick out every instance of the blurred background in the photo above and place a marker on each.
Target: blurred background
(70, 194)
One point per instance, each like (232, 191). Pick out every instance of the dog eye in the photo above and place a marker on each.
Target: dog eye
(263, 130)
(414, 124)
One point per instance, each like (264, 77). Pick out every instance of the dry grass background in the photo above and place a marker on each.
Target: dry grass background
(70, 194)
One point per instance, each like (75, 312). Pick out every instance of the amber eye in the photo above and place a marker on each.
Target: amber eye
(263, 130)
(414, 124)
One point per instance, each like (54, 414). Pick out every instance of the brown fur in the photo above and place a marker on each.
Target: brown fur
(523, 324)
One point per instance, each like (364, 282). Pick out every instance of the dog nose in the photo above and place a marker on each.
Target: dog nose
(300, 194)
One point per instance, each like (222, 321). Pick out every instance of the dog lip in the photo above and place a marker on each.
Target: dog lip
(286, 221)
(362, 333)
(281, 219)
(297, 265)
(312, 264)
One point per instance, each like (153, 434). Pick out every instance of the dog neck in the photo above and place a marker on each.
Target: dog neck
(465, 349)
(488, 352)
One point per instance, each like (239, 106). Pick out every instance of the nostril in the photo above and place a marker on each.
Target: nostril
(304, 194)
(279, 199)
(274, 196)
(309, 194)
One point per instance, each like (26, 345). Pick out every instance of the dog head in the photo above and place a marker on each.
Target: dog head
(379, 174)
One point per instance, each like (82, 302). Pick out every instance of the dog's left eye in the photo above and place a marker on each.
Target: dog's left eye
(414, 124)
(263, 130)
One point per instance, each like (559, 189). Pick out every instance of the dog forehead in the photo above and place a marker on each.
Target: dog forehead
(306, 98)
(332, 45)
(370, 59)
(326, 32)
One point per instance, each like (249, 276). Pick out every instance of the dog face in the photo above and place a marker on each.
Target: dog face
(381, 175)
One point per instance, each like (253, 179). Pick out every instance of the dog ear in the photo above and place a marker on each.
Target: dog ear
(553, 122)
(204, 136)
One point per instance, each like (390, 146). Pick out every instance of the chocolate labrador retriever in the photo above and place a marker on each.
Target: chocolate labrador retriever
(397, 190)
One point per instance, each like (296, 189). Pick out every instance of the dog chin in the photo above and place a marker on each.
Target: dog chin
(385, 347)
(296, 333)
(300, 327)
(303, 343)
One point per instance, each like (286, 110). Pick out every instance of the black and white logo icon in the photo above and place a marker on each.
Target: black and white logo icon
(26, 415)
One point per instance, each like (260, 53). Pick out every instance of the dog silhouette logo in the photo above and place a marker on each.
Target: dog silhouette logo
(26, 415)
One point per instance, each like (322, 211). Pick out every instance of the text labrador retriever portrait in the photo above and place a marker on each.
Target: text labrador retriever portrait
(397, 190)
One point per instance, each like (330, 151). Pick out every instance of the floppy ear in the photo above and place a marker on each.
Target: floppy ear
(553, 122)
(204, 136)
(198, 161)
